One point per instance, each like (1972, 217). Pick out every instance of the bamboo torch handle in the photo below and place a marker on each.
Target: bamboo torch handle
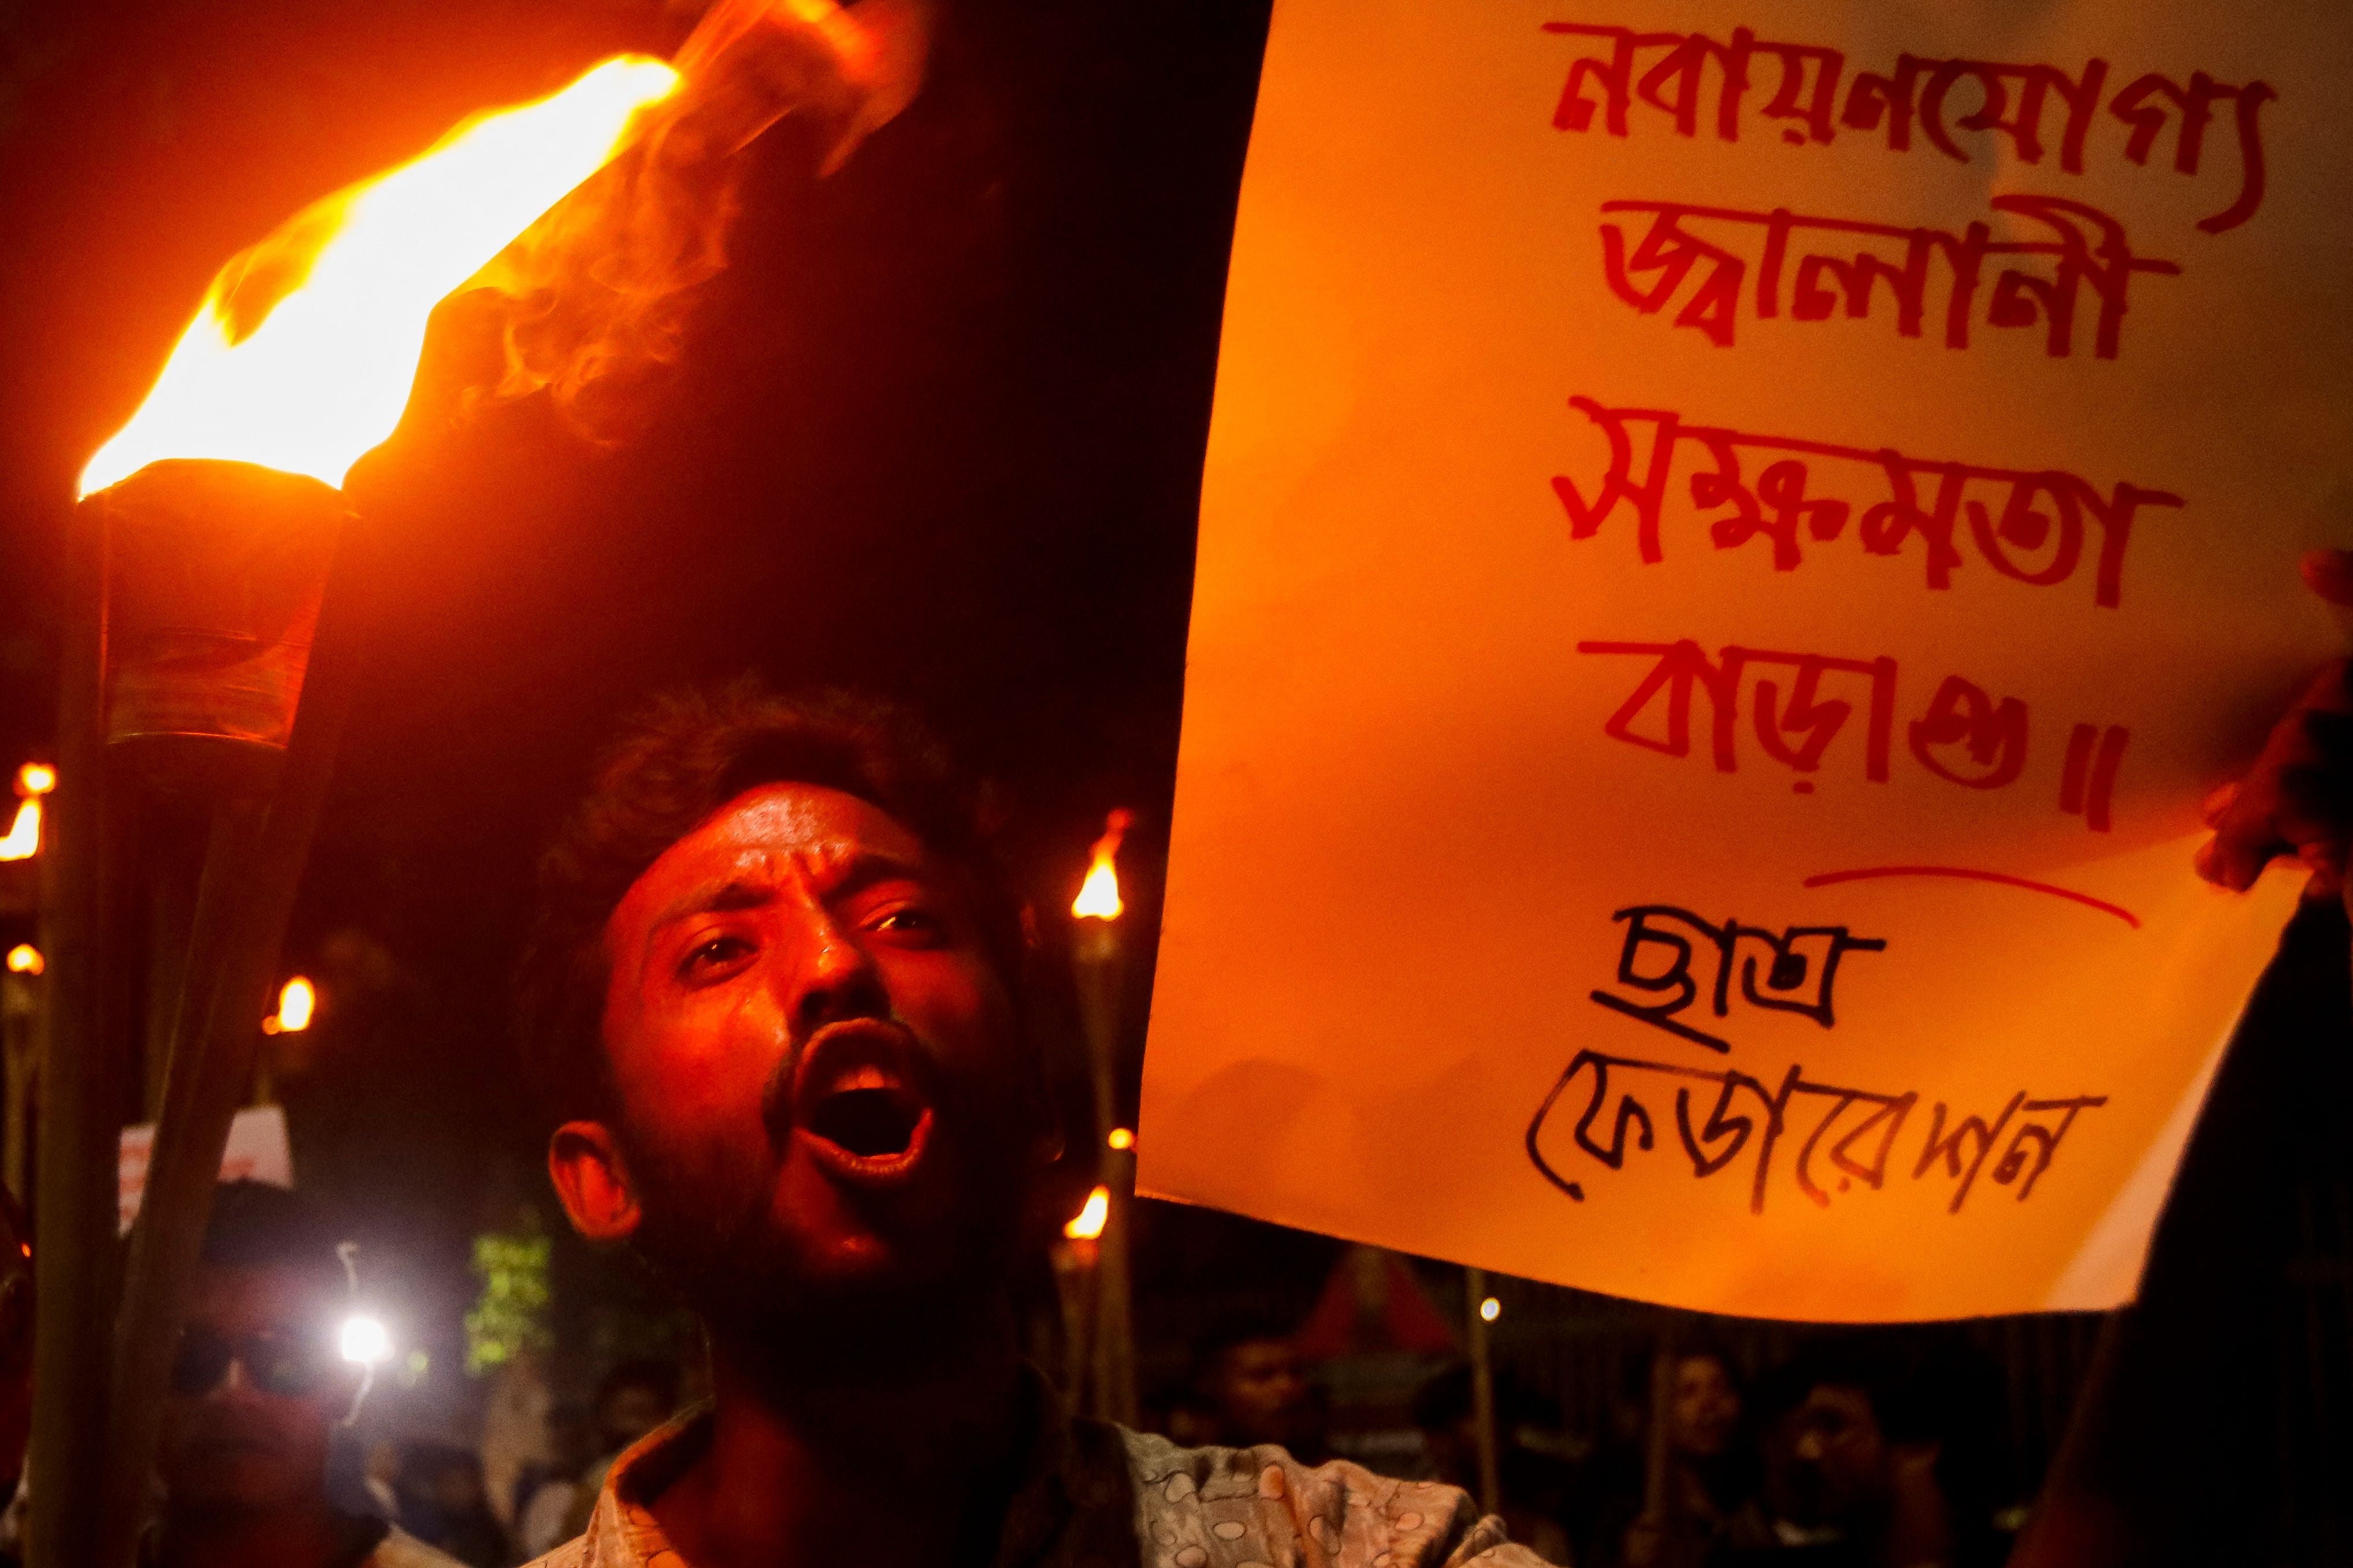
(251, 873)
(1483, 1393)
(80, 1080)
(1658, 1455)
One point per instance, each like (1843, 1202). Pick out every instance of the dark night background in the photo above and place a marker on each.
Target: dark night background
(938, 432)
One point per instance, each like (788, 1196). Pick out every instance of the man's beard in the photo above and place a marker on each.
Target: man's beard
(720, 1247)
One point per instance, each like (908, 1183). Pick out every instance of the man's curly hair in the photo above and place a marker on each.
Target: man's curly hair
(685, 757)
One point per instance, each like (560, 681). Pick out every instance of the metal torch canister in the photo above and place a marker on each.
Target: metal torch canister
(215, 574)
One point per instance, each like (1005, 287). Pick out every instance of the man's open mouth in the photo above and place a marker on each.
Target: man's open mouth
(859, 1098)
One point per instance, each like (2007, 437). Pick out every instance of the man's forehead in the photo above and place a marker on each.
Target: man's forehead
(1844, 1398)
(797, 819)
(766, 834)
(235, 1295)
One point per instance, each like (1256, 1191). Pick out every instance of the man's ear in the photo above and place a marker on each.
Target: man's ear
(590, 1177)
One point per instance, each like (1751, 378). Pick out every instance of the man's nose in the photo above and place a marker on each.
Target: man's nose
(237, 1384)
(839, 980)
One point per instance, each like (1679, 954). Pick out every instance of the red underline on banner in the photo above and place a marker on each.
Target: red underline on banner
(2004, 878)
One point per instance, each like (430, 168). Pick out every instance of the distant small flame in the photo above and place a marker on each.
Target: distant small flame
(36, 778)
(296, 1003)
(26, 958)
(24, 839)
(1088, 1225)
(1098, 895)
(1121, 1138)
(303, 354)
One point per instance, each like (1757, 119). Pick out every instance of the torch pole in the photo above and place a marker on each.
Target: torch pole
(1658, 1458)
(20, 1045)
(82, 1080)
(1114, 1339)
(1075, 1291)
(252, 868)
(1482, 1391)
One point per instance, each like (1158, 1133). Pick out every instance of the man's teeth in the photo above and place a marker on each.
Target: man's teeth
(867, 1077)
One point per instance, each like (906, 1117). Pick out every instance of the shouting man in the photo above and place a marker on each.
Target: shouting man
(777, 990)
(776, 993)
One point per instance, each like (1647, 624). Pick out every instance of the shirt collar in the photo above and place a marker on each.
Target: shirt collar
(624, 1533)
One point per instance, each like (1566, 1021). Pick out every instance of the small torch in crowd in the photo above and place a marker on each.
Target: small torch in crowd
(1093, 1263)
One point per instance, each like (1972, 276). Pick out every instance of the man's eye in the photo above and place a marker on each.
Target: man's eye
(910, 919)
(712, 953)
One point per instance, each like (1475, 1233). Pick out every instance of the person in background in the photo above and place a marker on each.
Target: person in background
(380, 1474)
(1710, 1469)
(776, 999)
(633, 1398)
(1176, 1413)
(1249, 1388)
(1533, 1484)
(555, 1487)
(1870, 1463)
(258, 1385)
(443, 1500)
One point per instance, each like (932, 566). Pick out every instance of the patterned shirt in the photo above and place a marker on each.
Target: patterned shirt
(1092, 1495)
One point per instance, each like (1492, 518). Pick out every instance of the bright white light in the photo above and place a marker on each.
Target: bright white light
(1490, 1309)
(365, 1341)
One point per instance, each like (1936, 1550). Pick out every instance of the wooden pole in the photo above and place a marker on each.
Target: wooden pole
(1482, 1392)
(252, 869)
(82, 1086)
(1098, 953)
(1074, 1290)
(174, 875)
(1658, 1458)
(20, 1048)
(1115, 1342)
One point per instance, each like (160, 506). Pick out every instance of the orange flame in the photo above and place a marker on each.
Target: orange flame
(26, 958)
(595, 294)
(296, 1002)
(24, 839)
(36, 778)
(1099, 894)
(1089, 1223)
(302, 354)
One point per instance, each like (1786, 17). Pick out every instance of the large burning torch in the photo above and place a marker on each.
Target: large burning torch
(200, 664)
(206, 659)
